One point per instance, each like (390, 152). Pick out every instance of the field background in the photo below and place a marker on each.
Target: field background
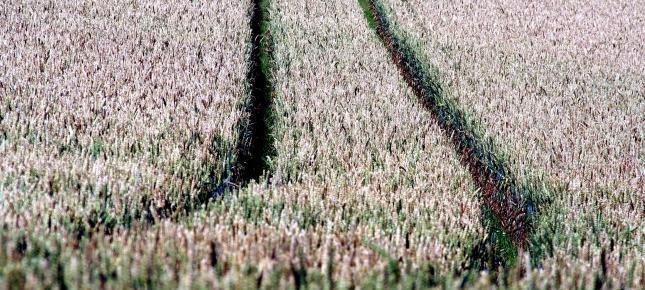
(122, 125)
(560, 86)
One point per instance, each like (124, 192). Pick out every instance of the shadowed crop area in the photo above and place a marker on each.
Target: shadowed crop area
(339, 144)
(255, 144)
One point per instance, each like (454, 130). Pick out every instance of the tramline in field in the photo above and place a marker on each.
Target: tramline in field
(342, 144)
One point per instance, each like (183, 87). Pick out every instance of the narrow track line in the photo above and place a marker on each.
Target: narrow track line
(255, 142)
(253, 148)
(498, 186)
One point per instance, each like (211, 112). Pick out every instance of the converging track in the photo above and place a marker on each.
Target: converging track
(498, 186)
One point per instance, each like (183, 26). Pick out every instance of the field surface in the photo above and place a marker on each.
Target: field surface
(560, 87)
(341, 144)
(113, 114)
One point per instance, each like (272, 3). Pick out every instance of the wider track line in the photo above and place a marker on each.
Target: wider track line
(255, 143)
(499, 188)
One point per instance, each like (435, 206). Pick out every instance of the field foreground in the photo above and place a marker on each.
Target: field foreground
(284, 144)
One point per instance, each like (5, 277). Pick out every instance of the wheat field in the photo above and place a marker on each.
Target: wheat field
(409, 144)
(563, 87)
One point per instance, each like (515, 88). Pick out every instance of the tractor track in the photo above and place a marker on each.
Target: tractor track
(497, 185)
(255, 141)
(255, 145)
(247, 160)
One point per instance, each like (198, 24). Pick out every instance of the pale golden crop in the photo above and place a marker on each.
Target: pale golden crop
(560, 86)
(108, 103)
(113, 111)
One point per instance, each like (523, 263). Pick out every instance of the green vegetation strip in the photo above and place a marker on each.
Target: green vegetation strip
(508, 205)
(255, 144)
(249, 158)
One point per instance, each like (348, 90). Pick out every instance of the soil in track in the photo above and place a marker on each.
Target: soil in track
(505, 208)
